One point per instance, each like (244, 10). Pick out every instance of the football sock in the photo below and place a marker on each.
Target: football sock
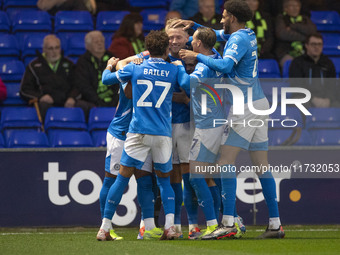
(149, 224)
(228, 180)
(190, 200)
(106, 224)
(169, 220)
(177, 187)
(115, 195)
(217, 200)
(274, 223)
(167, 195)
(107, 183)
(204, 197)
(145, 196)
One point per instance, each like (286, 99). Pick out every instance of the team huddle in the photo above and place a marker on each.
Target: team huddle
(150, 135)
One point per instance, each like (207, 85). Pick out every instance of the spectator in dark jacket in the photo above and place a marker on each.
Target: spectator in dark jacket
(88, 74)
(53, 6)
(3, 91)
(316, 68)
(292, 29)
(49, 78)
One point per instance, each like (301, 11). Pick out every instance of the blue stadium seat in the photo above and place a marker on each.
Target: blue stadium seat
(100, 118)
(70, 138)
(99, 138)
(79, 21)
(269, 68)
(279, 136)
(323, 118)
(268, 85)
(9, 47)
(31, 20)
(76, 45)
(11, 71)
(27, 139)
(109, 21)
(336, 62)
(32, 43)
(149, 3)
(108, 38)
(13, 96)
(5, 24)
(292, 113)
(65, 118)
(285, 71)
(19, 4)
(324, 137)
(153, 19)
(2, 142)
(19, 117)
(331, 44)
(326, 20)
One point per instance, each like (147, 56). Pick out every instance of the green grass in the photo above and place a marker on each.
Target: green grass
(82, 241)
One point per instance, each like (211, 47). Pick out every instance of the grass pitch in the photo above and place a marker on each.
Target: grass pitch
(82, 241)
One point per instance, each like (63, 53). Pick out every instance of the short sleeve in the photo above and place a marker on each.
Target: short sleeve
(125, 74)
(236, 48)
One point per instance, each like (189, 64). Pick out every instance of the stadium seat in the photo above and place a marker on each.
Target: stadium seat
(65, 118)
(11, 71)
(268, 85)
(285, 70)
(70, 138)
(323, 118)
(99, 138)
(279, 136)
(269, 68)
(32, 43)
(2, 142)
(13, 96)
(324, 137)
(27, 139)
(76, 45)
(19, 117)
(108, 38)
(5, 24)
(336, 62)
(326, 20)
(331, 44)
(109, 21)
(292, 113)
(19, 4)
(149, 3)
(31, 20)
(153, 19)
(100, 118)
(77, 21)
(9, 48)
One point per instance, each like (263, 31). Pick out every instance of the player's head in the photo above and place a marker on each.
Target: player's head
(95, 43)
(190, 65)
(292, 7)
(157, 43)
(177, 36)
(236, 12)
(51, 48)
(204, 37)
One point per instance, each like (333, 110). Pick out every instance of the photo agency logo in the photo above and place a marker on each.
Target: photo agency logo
(241, 109)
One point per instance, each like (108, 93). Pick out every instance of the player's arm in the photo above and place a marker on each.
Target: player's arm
(121, 76)
(124, 62)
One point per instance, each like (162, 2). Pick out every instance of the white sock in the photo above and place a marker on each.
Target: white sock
(192, 226)
(211, 223)
(178, 228)
(228, 220)
(274, 223)
(141, 224)
(149, 224)
(169, 220)
(106, 224)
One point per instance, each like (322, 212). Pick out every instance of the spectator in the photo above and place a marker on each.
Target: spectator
(49, 78)
(188, 8)
(53, 6)
(261, 24)
(172, 15)
(111, 5)
(292, 28)
(88, 74)
(274, 7)
(3, 91)
(129, 39)
(207, 16)
(315, 66)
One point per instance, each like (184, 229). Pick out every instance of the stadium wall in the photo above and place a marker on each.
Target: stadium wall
(60, 187)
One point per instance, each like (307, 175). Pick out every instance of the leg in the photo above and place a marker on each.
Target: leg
(176, 184)
(107, 183)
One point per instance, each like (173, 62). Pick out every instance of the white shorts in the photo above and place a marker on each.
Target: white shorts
(206, 144)
(181, 142)
(138, 146)
(114, 151)
(248, 131)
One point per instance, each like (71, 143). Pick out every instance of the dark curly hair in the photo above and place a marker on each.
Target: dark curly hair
(127, 27)
(157, 42)
(240, 9)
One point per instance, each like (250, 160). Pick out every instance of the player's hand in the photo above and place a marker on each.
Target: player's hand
(177, 63)
(113, 62)
(187, 24)
(46, 99)
(187, 55)
(138, 61)
(180, 97)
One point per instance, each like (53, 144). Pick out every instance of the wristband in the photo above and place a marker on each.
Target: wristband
(109, 66)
